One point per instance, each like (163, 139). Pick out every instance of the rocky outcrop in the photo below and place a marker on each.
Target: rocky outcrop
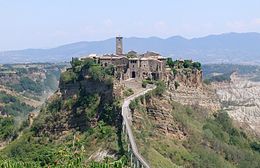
(186, 87)
(159, 113)
(204, 97)
(191, 78)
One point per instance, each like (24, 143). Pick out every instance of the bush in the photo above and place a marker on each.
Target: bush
(17, 108)
(160, 89)
(196, 65)
(68, 77)
(96, 72)
(133, 104)
(144, 83)
(7, 128)
(128, 92)
(55, 105)
(255, 146)
(187, 64)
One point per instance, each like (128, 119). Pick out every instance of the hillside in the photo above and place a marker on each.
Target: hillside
(170, 135)
(79, 124)
(180, 123)
(23, 90)
(237, 88)
(228, 48)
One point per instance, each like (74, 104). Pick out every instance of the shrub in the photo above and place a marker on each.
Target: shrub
(133, 104)
(174, 71)
(68, 77)
(196, 65)
(160, 89)
(255, 146)
(7, 128)
(144, 83)
(128, 92)
(187, 64)
(96, 72)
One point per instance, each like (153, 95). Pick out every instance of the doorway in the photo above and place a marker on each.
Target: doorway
(133, 74)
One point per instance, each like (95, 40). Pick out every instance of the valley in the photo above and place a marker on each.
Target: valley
(241, 99)
(24, 88)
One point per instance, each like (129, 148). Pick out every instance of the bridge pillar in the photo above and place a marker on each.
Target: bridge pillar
(131, 159)
(137, 163)
(128, 148)
(123, 128)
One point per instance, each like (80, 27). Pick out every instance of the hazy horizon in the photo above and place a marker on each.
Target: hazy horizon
(47, 24)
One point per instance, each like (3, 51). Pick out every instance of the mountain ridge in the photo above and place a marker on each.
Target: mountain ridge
(222, 48)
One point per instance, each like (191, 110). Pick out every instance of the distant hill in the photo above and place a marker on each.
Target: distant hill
(223, 48)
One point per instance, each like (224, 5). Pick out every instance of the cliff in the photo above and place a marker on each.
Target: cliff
(84, 113)
(185, 85)
(169, 135)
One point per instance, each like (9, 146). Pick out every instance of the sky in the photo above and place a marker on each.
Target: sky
(50, 23)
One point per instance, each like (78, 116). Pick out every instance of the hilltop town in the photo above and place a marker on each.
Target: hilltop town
(133, 65)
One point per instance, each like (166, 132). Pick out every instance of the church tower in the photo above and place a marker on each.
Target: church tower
(119, 45)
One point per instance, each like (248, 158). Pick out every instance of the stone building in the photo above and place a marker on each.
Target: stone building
(133, 65)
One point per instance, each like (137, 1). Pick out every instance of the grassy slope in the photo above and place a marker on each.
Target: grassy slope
(210, 142)
(45, 148)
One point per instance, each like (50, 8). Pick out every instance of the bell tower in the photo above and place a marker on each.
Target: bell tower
(119, 45)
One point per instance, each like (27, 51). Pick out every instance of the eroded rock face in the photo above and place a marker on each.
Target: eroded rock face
(241, 99)
(204, 97)
(191, 91)
(186, 78)
(159, 114)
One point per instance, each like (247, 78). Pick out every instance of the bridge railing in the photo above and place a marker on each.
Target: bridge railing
(136, 159)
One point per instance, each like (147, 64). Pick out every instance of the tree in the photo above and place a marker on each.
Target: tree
(196, 65)
(68, 77)
(170, 62)
(187, 64)
(96, 72)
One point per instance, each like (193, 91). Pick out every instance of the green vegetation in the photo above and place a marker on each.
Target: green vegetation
(66, 127)
(224, 71)
(147, 81)
(114, 164)
(218, 78)
(208, 69)
(13, 106)
(144, 83)
(160, 88)
(29, 79)
(128, 92)
(188, 64)
(8, 130)
(68, 77)
(27, 84)
(209, 141)
(40, 147)
(5, 98)
(88, 66)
